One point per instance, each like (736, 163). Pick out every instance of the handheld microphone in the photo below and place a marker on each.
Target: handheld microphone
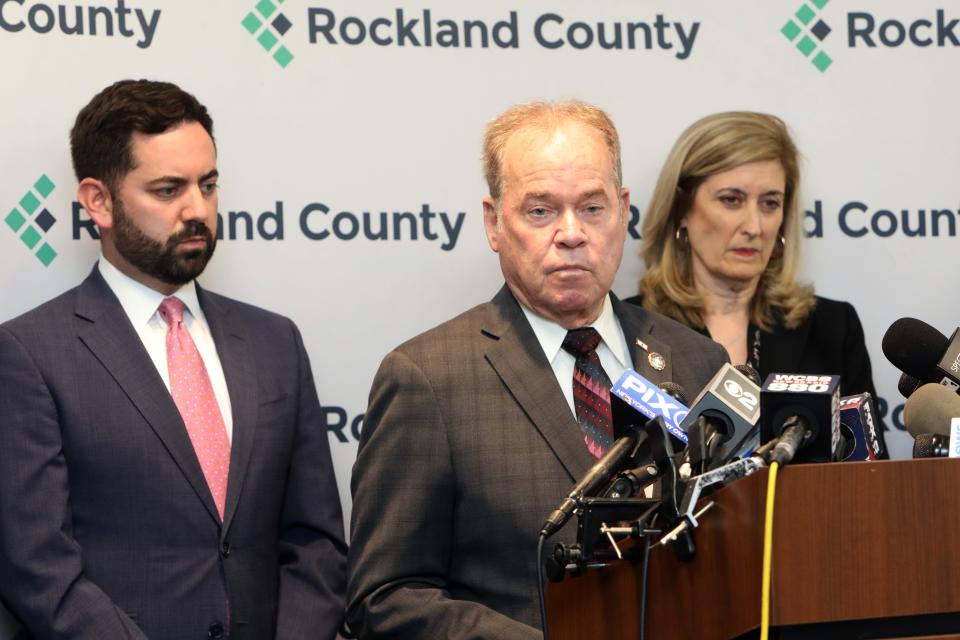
(808, 405)
(595, 478)
(650, 400)
(924, 353)
(934, 445)
(750, 372)
(907, 385)
(860, 429)
(931, 409)
(676, 391)
(722, 417)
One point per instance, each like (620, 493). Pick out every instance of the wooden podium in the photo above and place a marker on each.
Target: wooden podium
(861, 550)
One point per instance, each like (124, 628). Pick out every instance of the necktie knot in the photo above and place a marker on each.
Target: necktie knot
(171, 310)
(580, 342)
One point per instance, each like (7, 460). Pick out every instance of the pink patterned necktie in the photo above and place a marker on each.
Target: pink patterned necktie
(193, 394)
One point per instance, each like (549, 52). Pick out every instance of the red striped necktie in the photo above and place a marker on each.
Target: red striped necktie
(591, 390)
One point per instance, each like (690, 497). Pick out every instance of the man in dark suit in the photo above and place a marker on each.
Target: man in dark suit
(164, 466)
(478, 428)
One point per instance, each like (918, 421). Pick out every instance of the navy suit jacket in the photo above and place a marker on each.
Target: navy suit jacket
(107, 527)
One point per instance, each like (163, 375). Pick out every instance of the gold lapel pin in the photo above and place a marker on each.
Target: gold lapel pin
(657, 361)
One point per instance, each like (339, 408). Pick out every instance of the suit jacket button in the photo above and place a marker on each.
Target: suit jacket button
(215, 631)
(225, 548)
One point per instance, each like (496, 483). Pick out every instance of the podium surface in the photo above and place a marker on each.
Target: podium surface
(858, 547)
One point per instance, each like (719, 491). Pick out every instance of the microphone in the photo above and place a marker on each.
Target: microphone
(932, 408)
(859, 429)
(632, 393)
(722, 417)
(750, 372)
(650, 400)
(924, 353)
(595, 478)
(934, 445)
(676, 391)
(804, 412)
(907, 385)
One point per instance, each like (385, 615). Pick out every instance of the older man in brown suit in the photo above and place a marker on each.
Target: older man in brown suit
(477, 428)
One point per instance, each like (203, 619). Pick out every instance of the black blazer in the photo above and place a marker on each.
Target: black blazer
(830, 341)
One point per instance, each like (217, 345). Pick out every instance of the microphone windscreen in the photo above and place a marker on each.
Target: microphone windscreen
(907, 385)
(930, 409)
(676, 391)
(914, 347)
(750, 372)
(929, 445)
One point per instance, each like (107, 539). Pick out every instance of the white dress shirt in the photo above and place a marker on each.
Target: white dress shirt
(141, 304)
(612, 349)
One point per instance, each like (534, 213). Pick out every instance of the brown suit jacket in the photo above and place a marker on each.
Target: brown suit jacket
(467, 445)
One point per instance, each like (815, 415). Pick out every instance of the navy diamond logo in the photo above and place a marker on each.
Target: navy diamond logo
(821, 30)
(45, 220)
(281, 24)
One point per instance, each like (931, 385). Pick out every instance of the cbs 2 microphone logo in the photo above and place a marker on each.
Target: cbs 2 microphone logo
(800, 383)
(955, 367)
(746, 398)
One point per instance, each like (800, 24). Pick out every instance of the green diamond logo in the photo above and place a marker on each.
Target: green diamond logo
(268, 25)
(15, 220)
(807, 31)
(29, 202)
(32, 235)
(283, 56)
(252, 23)
(46, 254)
(43, 185)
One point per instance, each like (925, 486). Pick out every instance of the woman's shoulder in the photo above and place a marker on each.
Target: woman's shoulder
(827, 309)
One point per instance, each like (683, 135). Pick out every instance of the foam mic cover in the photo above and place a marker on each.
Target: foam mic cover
(815, 401)
(924, 353)
(931, 409)
(860, 428)
(633, 393)
(726, 411)
(907, 385)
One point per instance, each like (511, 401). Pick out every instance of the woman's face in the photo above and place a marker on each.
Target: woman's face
(734, 222)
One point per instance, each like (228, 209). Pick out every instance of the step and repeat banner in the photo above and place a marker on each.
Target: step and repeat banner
(349, 137)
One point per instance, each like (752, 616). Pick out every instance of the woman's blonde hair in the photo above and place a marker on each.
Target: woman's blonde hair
(712, 145)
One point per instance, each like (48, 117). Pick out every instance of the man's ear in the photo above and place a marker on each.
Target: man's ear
(490, 223)
(96, 198)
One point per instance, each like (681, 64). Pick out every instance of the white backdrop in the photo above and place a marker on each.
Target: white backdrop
(390, 124)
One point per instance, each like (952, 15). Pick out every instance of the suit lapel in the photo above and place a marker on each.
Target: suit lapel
(229, 335)
(638, 330)
(114, 342)
(518, 359)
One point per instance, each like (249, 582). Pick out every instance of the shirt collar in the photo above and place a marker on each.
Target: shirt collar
(139, 301)
(551, 335)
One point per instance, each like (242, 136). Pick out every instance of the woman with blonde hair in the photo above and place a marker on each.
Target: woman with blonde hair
(721, 243)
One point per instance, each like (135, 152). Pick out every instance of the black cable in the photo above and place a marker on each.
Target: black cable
(643, 587)
(543, 600)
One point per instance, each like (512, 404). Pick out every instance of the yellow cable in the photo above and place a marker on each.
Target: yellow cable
(767, 554)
